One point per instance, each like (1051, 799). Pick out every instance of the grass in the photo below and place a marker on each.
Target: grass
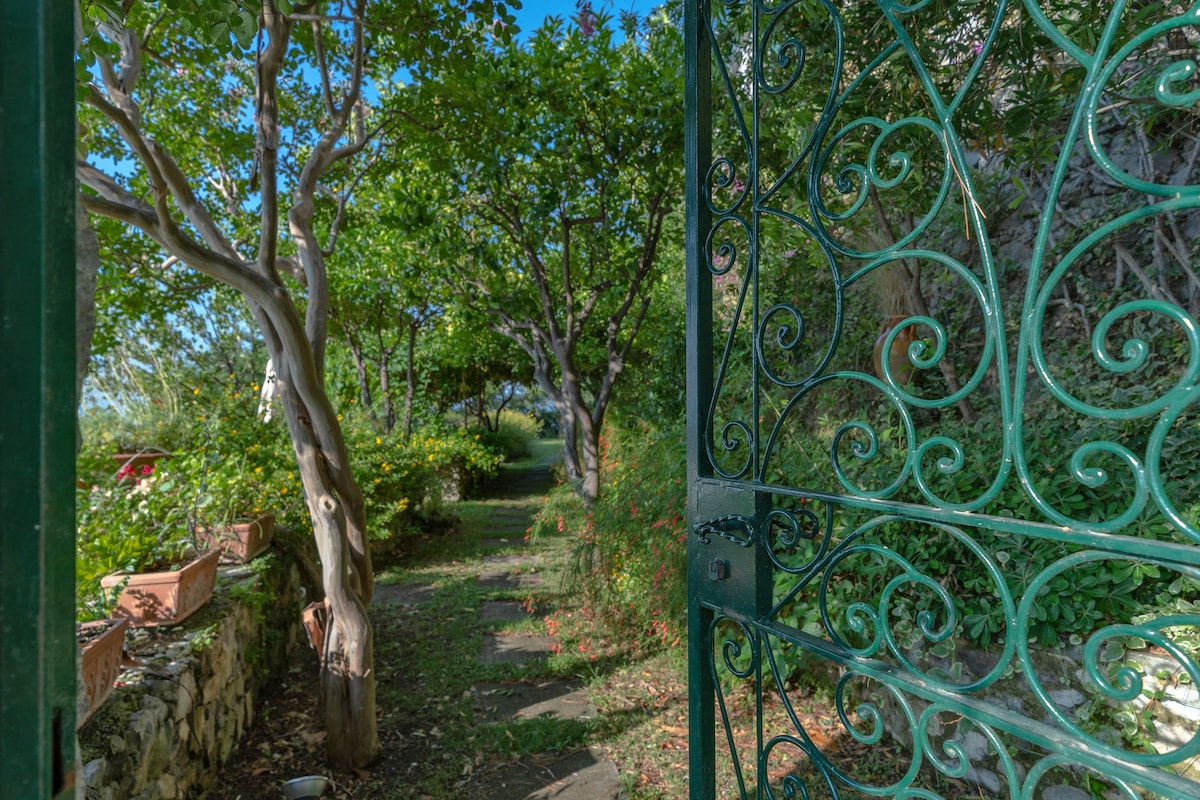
(433, 725)
(429, 718)
(642, 702)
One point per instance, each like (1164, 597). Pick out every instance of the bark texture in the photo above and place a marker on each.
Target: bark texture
(173, 215)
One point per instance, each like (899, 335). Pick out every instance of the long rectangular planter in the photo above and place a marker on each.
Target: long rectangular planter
(240, 542)
(100, 663)
(165, 598)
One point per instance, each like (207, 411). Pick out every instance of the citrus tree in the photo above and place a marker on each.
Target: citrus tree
(232, 134)
(560, 162)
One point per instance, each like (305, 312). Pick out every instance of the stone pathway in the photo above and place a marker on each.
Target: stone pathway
(585, 774)
(511, 567)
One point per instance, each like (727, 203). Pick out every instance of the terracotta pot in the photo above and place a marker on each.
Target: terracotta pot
(315, 618)
(240, 542)
(150, 599)
(101, 644)
(902, 369)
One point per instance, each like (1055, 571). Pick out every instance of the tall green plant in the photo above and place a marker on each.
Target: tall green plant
(630, 564)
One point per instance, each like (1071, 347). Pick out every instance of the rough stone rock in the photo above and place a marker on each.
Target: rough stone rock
(1067, 698)
(94, 772)
(985, 779)
(193, 704)
(1064, 793)
(167, 787)
(186, 696)
(975, 746)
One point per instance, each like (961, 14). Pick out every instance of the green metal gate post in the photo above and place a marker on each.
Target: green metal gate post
(702, 752)
(37, 421)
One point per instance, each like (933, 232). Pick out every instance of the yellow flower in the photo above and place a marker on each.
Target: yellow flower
(378, 440)
(258, 469)
(339, 417)
(196, 390)
(283, 490)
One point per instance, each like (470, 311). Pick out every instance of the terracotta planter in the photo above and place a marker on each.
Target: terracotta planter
(101, 644)
(150, 599)
(902, 369)
(240, 542)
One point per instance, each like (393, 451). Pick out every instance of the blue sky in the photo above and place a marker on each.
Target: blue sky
(534, 11)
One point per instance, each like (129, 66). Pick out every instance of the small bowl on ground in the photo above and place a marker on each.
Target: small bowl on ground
(309, 787)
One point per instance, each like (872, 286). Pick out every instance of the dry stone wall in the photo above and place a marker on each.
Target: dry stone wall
(166, 732)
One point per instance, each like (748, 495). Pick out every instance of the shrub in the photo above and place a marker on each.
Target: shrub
(404, 483)
(513, 435)
(631, 560)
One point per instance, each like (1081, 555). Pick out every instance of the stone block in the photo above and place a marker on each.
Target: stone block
(189, 720)
(95, 772)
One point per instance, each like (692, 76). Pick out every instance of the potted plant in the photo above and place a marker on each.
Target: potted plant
(229, 514)
(101, 643)
(133, 463)
(133, 539)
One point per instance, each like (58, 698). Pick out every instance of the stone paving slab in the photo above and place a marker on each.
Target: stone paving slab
(511, 514)
(494, 581)
(402, 594)
(514, 648)
(511, 562)
(583, 775)
(509, 571)
(508, 701)
(501, 611)
(501, 542)
(507, 580)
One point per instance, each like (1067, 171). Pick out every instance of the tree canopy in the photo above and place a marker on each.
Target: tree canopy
(559, 165)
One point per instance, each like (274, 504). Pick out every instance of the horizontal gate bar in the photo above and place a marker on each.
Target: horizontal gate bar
(1162, 552)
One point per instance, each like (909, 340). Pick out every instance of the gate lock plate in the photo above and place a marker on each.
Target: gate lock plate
(725, 554)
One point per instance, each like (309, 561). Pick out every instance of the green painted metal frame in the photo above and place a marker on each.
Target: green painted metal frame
(743, 519)
(37, 426)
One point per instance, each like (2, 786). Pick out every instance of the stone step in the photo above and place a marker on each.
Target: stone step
(402, 594)
(535, 481)
(582, 775)
(509, 571)
(495, 702)
(503, 542)
(514, 648)
(502, 611)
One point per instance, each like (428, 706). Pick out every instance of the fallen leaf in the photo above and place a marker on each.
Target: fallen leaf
(362, 773)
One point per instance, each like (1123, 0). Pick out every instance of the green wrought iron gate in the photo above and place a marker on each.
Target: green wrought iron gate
(943, 371)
